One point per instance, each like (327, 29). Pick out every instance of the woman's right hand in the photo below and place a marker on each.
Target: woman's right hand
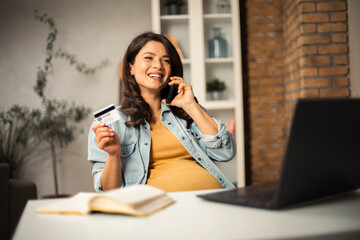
(107, 139)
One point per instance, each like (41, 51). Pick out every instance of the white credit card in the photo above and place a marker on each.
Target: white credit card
(107, 115)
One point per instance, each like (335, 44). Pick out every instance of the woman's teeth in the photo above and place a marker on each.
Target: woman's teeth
(155, 75)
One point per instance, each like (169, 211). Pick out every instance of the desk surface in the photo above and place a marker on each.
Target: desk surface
(194, 218)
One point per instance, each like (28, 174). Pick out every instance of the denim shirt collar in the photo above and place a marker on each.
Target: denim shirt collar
(165, 109)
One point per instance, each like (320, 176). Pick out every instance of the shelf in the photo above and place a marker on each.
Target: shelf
(192, 31)
(225, 16)
(219, 60)
(175, 18)
(217, 18)
(219, 105)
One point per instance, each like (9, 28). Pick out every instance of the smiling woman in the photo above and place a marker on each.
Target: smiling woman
(170, 146)
(129, 88)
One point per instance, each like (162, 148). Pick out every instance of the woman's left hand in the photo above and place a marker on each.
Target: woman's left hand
(185, 94)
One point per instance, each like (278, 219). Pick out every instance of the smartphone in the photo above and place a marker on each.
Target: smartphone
(172, 93)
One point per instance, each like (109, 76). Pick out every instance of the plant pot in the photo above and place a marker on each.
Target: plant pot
(215, 95)
(173, 9)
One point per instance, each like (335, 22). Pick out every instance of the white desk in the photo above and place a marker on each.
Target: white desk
(193, 218)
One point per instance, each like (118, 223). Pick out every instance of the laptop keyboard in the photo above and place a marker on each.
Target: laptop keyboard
(257, 195)
(261, 195)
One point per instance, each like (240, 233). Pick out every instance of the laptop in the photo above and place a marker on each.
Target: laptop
(322, 158)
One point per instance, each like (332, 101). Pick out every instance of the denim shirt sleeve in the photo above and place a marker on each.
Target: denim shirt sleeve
(221, 139)
(221, 147)
(98, 158)
(98, 168)
(95, 154)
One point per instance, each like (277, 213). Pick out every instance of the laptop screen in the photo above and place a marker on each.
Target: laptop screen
(322, 156)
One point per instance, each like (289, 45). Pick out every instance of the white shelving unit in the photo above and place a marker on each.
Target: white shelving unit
(192, 29)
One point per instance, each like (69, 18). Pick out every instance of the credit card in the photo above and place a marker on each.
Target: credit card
(107, 115)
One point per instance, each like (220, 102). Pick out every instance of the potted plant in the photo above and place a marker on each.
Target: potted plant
(173, 6)
(18, 141)
(56, 126)
(25, 133)
(214, 88)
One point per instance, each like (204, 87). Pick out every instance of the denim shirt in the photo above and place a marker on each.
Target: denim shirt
(136, 144)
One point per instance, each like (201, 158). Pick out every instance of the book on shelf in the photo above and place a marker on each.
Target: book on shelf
(175, 44)
(136, 200)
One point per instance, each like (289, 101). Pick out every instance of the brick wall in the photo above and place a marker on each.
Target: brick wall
(295, 49)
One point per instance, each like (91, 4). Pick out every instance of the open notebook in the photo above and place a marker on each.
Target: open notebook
(322, 158)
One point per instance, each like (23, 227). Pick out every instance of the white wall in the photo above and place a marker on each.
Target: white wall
(354, 48)
(91, 29)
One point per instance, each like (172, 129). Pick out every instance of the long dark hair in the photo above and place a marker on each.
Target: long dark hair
(132, 103)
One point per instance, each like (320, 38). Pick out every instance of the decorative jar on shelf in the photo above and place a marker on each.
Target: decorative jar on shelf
(173, 6)
(217, 46)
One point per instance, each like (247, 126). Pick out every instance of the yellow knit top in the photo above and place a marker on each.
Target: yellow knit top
(171, 167)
